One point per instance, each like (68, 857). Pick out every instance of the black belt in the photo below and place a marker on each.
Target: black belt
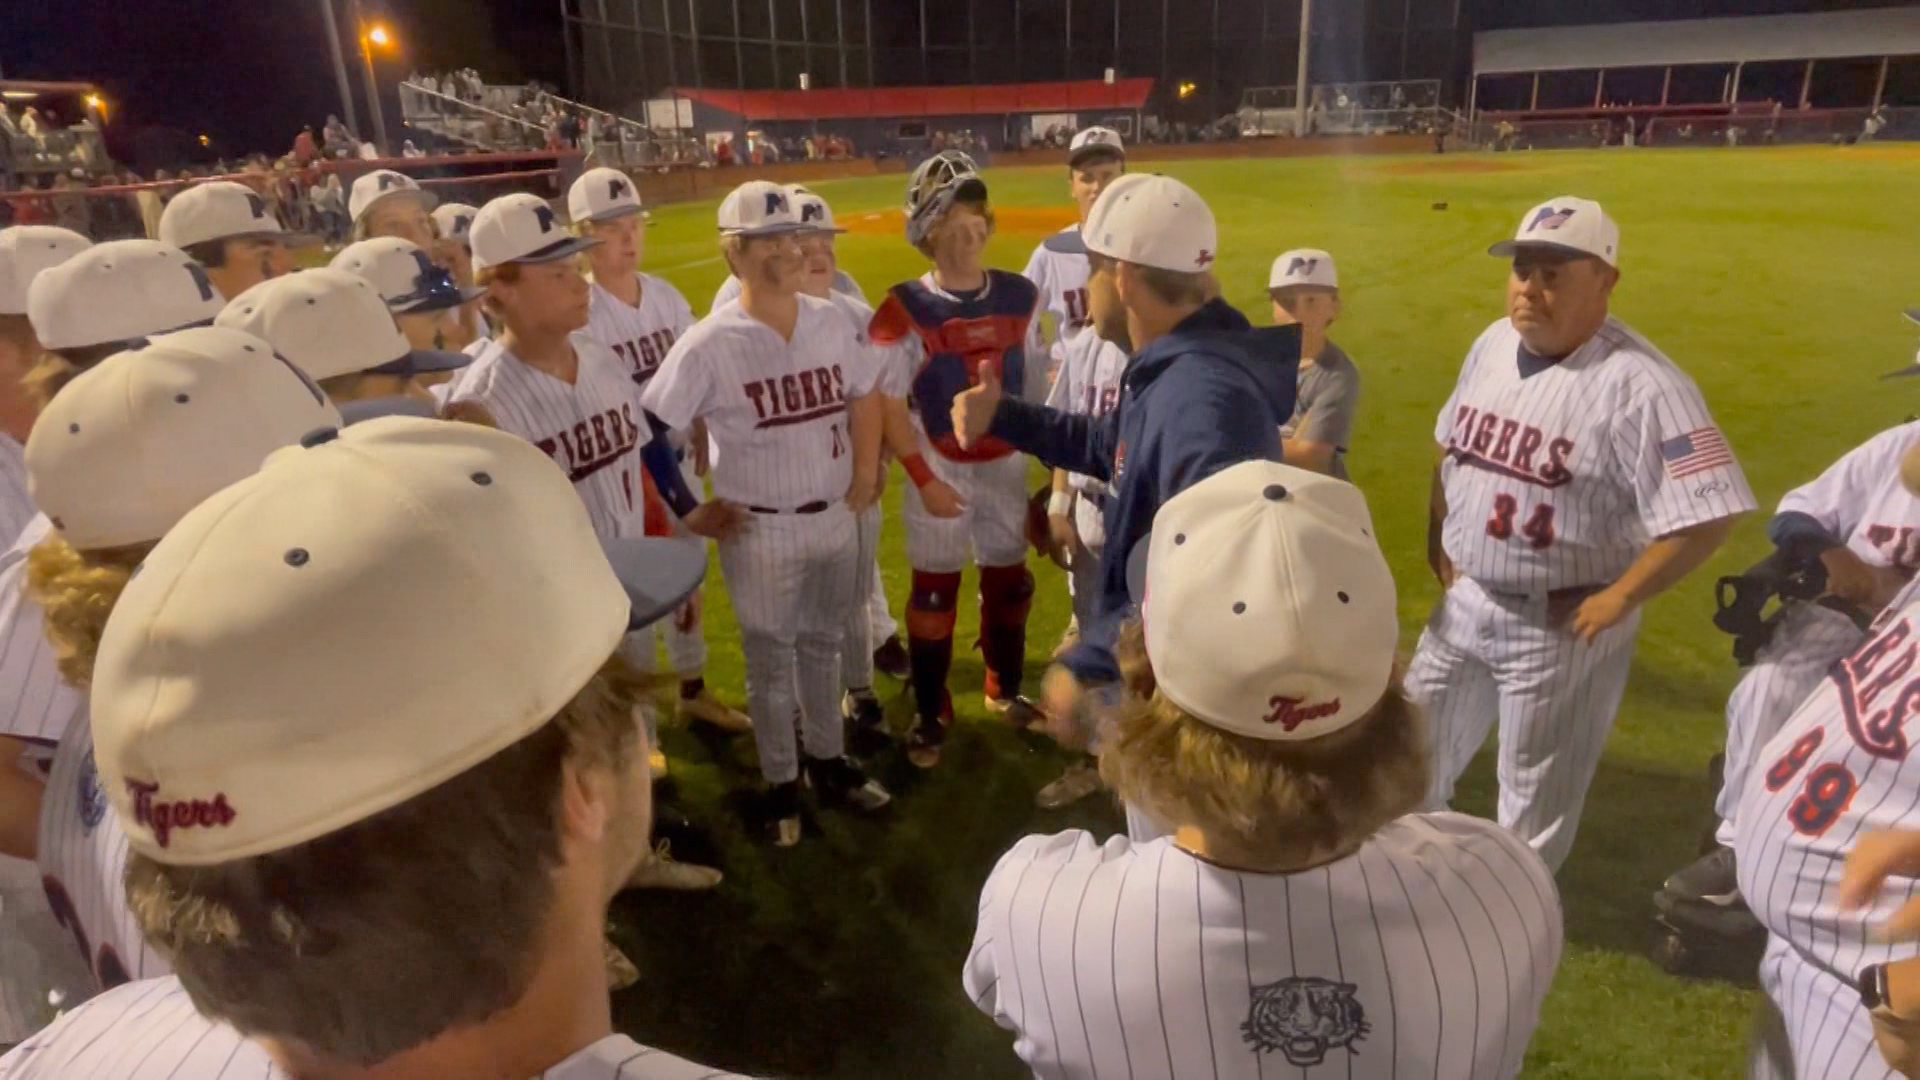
(1557, 596)
(810, 508)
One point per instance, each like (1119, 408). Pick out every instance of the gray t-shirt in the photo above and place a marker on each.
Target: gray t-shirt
(1329, 392)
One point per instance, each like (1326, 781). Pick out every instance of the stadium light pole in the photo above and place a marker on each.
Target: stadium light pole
(1300, 84)
(339, 65)
(371, 36)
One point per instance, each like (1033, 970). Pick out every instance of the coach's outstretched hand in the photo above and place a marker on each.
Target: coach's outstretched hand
(717, 519)
(973, 409)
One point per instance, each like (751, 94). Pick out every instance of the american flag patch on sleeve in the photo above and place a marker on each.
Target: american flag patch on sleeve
(1695, 452)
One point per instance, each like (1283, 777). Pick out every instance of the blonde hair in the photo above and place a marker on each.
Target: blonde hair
(77, 591)
(1261, 804)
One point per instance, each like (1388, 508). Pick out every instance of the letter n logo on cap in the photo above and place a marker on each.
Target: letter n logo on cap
(544, 215)
(616, 189)
(813, 212)
(1548, 218)
(1301, 266)
(391, 180)
(257, 204)
(776, 202)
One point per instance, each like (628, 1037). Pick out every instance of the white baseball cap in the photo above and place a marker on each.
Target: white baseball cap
(758, 208)
(1298, 641)
(329, 322)
(370, 188)
(602, 195)
(408, 280)
(812, 210)
(521, 228)
(1147, 219)
(1092, 142)
(1566, 224)
(119, 291)
(133, 443)
(268, 677)
(26, 251)
(223, 210)
(1304, 266)
(455, 219)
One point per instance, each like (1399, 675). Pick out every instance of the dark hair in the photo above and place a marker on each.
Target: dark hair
(1175, 286)
(211, 254)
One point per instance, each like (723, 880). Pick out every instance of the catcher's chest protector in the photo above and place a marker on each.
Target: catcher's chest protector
(960, 337)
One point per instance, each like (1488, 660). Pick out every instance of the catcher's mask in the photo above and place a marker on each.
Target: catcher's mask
(943, 179)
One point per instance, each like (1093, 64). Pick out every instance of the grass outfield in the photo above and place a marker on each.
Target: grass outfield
(1775, 277)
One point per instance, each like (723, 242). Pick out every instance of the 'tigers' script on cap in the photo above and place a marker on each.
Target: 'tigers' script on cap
(25, 252)
(223, 727)
(454, 219)
(371, 187)
(1148, 220)
(521, 228)
(1568, 226)
(1298, 642)
(1304, 266)
(223, 210)
(408, 280)
(133, 443)
(812, 210)
(1093, 143)
(758, 208)
(329, 322)
(119, 291)
(602, 195)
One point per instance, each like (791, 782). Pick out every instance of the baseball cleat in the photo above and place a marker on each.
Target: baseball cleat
(923, 742)
(1079, 781)
(1021, 712)
(867, 722)
(890, 659)
(620, 971)
(783, 813)
(711, 710)
(661, 870)
(1710, 879)
(839, 782)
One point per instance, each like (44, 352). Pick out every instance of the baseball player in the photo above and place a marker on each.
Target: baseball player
(361, 817)
(334, 326)
(25, 251)
(231, 230)
(388, 203)
(452, 222)
(639, 317)
(424, 297)
(1299, 921)
(128, 447)
(785, 383)
(1580, 476)
(1858, 521)
(1305, 288)
(1096, 157)
(947, 327)
(843, 282)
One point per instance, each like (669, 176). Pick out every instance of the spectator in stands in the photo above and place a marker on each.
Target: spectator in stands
(305, 149)
(723, 154)
(408, 150)
(31, 125)
(329, 202)
(336, 140)
(69, 205)
(147, 201)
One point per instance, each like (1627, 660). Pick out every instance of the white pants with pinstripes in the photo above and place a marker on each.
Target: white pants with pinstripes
(1808, 641)
(1485, 656)
(856, 646)
(794, 580)
(1810, 1024)
(993, 526)
(1089, 524)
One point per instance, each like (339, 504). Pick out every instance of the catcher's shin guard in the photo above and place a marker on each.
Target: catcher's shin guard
(1006, 595)
(931, 611)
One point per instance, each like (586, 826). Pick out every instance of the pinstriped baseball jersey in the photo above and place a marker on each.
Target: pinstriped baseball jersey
(777, 408)
(640, 336)
(591, 428)
(16, 504)
(1426, 953)
(1863, 504)
(1062, 279)
(150, 1031)
(1088, 384)
(36, 704)
(1557, 475)
(729, 290)
(83, 858)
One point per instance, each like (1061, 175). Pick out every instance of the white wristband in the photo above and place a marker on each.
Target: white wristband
(1061, 504)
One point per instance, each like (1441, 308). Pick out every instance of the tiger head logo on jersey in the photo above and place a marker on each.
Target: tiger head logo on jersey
(1304, 1018)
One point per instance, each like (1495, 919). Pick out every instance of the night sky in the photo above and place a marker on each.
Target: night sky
(250, 72)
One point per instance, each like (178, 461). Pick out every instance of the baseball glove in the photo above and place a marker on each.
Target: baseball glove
(1038, 534)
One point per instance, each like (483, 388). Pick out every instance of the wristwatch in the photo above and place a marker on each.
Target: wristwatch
(1872, 984)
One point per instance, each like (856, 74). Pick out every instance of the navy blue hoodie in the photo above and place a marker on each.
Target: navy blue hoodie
(1210, 394)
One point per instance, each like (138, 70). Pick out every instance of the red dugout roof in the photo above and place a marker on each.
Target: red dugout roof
(925, 100)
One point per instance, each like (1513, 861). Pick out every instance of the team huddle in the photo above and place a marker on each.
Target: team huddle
(335, 704)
